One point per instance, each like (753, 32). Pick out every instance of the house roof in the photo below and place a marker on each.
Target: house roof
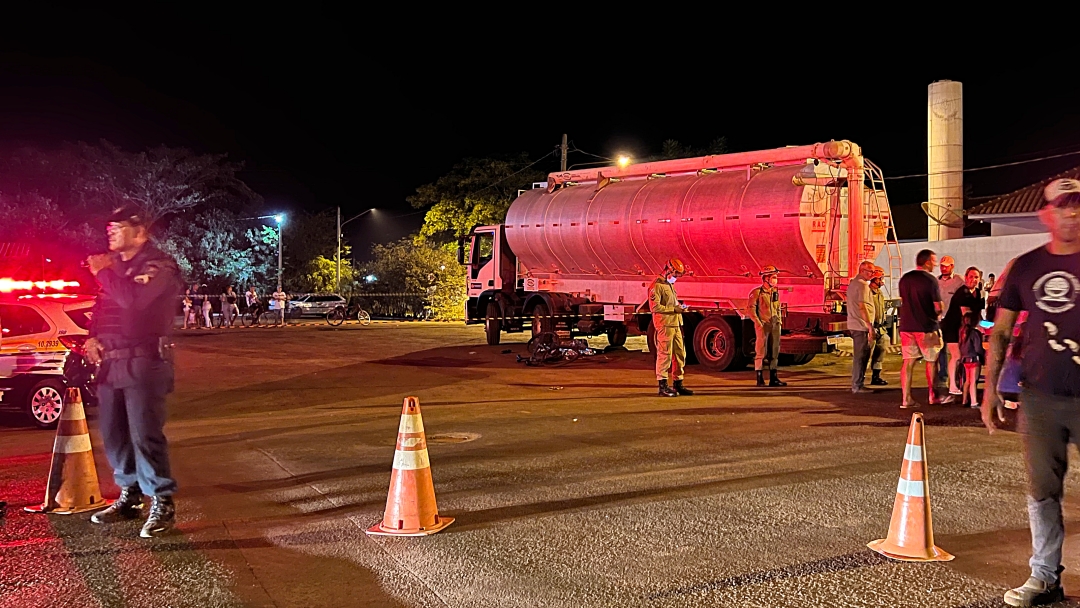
(1024, 200)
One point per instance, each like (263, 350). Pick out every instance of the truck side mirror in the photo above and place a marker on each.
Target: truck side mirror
(461, 250)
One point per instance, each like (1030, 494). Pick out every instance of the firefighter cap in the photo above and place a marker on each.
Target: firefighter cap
(767, 270)
(879, 273)
(675, 265)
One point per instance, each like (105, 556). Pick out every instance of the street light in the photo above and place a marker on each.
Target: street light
(280, 219)
(337, 283)
(623, 161)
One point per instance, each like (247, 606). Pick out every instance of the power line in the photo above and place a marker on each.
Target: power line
(1019, 162)
(528, 166)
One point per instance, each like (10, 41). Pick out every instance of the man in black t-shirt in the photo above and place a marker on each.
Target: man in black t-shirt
(920, 309)
(1046, 284)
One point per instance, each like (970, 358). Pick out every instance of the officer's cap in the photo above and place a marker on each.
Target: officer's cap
(129, 214)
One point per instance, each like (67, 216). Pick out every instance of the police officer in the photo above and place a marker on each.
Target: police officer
(877, 299)
(667, 320)
(129, 338)
(764, 311)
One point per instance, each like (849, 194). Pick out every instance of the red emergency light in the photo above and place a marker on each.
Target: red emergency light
(11, 285)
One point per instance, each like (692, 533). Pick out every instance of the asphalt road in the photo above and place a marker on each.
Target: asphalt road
(572, 486)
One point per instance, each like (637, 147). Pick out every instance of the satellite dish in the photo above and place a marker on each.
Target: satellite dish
(944, 216)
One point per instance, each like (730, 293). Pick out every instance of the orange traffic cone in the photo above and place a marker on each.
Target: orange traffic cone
(410, 504)
(911, 532)
(73, 483)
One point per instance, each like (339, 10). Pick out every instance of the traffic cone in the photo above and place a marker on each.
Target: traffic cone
(911, 532)
(72, 486)
(410, 504)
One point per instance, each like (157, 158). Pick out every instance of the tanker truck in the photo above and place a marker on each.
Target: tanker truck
(578, 254)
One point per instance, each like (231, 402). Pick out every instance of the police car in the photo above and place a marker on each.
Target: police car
(38, 333)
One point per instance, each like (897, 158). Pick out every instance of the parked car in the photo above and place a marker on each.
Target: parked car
(316, 305)
(39, 333)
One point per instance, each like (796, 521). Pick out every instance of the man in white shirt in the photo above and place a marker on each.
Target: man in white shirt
(860, 322)
(277, 303)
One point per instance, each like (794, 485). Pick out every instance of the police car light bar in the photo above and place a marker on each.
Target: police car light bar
(10, 285)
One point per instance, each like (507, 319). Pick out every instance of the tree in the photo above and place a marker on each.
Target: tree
(162, 180)
(219, 249)
(476, 191)
(406, 266)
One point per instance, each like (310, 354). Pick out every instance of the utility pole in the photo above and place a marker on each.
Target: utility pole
(563, 148)
(337, 276)
(279, 220)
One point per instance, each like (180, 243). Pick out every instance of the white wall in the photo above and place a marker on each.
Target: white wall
(987, 253)
(1020, 225)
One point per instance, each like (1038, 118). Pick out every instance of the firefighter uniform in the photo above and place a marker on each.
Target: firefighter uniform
(765, 313)
(667, 319)
(877, 300)
(764, 310)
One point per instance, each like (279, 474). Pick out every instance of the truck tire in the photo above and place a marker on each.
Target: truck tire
(541, 320)
(492, 323)
(616, 335)
(44, 401)
(714, 343)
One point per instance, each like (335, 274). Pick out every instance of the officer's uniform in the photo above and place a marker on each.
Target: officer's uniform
(764, 311)
(133, 317)
(877, 300)
(670, 346)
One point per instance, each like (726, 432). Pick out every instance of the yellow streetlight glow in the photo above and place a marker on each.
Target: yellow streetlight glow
(623, 161)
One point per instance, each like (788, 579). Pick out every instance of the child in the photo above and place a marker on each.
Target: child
(972, 355)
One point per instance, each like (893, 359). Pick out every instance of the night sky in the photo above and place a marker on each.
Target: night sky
(328, 109)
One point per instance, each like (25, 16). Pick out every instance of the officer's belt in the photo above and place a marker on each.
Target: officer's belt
(130, 353)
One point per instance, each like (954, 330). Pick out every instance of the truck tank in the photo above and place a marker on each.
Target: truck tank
(724, 225)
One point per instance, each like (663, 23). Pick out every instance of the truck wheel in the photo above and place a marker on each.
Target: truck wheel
(714, 343)
(616, 335)
(492, 323)
(541, 320)
(44, 401)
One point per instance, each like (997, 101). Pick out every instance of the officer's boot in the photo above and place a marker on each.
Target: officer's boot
(667, 391)
(162, 517)
(774, 380)
(760, 378)
(126, 507)
(877, 379)
(682, 390)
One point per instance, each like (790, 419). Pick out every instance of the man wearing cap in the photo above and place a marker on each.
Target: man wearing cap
(1044, 283)
(667, 321)
(129, 338)
(877, 300)
(764, 311)
(860, 322)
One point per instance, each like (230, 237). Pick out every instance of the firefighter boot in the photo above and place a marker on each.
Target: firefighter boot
(682, 390)
(667, 391)
(877, 380)
(774, 380)
(760, 378)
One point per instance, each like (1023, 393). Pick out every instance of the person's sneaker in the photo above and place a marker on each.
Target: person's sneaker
(126, 507)
(1035, 593)
(862, 390)
(162, 517)
(878, 382)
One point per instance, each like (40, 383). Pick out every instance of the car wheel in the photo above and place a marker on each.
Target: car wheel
(44, 402)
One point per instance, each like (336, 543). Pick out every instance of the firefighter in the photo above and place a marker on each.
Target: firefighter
(877, 298)
(764, 311)
(667, 320)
